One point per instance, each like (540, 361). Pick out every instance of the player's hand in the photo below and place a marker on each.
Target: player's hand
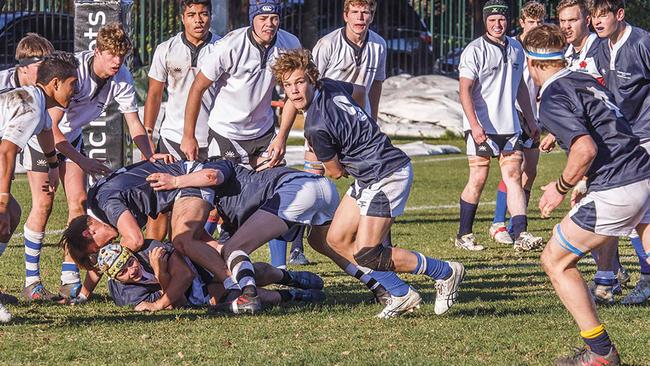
(478, 134)
(277, 149)
(190, 147)
(547, 144)
(79, 300)
(162, 181)
(167, 158)
(158, 260)
(94, 167)
(534, 130)
(579, 191)
(550, 200)
(146, 306)
(52, 180)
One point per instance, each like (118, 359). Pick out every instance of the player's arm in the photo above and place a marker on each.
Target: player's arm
(189, 145)
(465, 91)
(46, 141)
(278, 147)
(201, 178)
(152, 105)
(90, 283)
(523, 97)
(334, 169)
(180, 278)
(139, 135)
(8, 152)
(374, 95)
(130, 231)
(581, 155)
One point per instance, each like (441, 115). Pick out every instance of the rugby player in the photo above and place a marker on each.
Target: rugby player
(174, 66)
(102, 79)
(491, 80)
(158, 277)
(348, 142)
(623, 61)
(587, 123)
(30, 52)
(532, 14)
(23, 114)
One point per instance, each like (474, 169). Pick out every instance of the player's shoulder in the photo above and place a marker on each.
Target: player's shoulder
(233, 37)
(287, 40)
(374, 37)
(330, 39)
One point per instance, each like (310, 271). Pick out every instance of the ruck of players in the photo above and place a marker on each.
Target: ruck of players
(180, 227)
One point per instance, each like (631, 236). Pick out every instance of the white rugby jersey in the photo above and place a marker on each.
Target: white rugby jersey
(175, 63)
(338, 58)
(584, 61)
(242, 71)
(92, 94)
(497, 71)
(532, 89)
(9, 79)
(23, 114)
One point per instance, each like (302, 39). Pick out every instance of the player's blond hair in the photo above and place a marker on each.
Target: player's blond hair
(298, 59)
(547, 37)
(113, 38)
(532, 10)
(563, 4)
(33, 45)
(372, 4)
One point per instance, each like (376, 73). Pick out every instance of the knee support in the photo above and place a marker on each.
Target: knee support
(379, 258)
(315, 167)
(515, 158)
(475, 161)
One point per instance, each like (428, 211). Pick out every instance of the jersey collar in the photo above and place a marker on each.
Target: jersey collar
(264, 51)
(16, 79)
(614, 48)
(560, 74)
(502, 47)
(99, 81)
(358, 50)
(196, 50)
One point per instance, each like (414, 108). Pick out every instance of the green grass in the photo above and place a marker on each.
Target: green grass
(507, 313)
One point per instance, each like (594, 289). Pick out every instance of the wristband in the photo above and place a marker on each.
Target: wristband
(50, 154)
(563, 186)
(560, 189)
(53, 165)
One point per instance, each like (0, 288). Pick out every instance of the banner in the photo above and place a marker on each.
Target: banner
(107, 138)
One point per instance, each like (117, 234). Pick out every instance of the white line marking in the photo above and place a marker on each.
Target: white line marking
(445, 207)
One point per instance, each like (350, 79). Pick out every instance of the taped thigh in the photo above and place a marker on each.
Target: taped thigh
(561, 240)
(379, 258)
(514, 158)
(478, 161)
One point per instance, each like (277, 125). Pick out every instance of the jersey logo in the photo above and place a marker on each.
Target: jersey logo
(348, 107)
(583, 64)
(602, 96)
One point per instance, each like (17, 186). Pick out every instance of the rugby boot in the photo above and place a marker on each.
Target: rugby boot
(603, 294)
(5, 315)
(37, 292)
(308, 295)
(585, 357)
(527, 242)
(447, 290)
(247, 303)
(468, 242)
(398, 305)
(305, 280)
(499, 233)
(70, 290)
(298, 258)
(640, 293)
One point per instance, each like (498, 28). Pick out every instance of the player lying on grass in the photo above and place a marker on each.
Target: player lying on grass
(258, 206)
(23, 114)
(159, 277)
(348, 142)
(587, 123)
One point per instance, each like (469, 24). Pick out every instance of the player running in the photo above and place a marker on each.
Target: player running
(532, 15)
(349, 142)
(491, 70)
(23, 114)
(600, 144)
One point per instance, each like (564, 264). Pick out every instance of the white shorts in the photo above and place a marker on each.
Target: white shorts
(33, 159)
(614, 212)
(494, 145)
(386, 198)
(304, 200)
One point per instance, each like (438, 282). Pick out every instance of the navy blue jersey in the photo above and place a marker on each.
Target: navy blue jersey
(246, 191)
(127, 189)
(336, 126)
(626, 70)
(574, 104)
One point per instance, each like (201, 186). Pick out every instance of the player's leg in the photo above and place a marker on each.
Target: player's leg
(641, 244)
(266, 274)
(529, 174)
(156, 229)
(498, 229)
(479, 168)
(14, 219)
(605, 277)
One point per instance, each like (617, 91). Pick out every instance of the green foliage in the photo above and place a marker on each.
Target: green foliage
(508, 313)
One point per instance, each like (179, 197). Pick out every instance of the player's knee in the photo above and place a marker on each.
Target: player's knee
(76, 205)
(42, 207)
(379, 258)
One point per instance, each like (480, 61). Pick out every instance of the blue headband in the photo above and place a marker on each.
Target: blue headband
(258, 7)
(545, 55)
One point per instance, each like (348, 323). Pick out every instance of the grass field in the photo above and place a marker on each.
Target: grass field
(507, 313)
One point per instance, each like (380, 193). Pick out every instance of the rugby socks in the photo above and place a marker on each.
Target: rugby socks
(230, 284)
(501, 208)
(69, 273)
(605, 278)
(640, 252)
(242, 269)
(598, 340)
(467, 215)
(3, 247)
(278, 250)
(375, 280)
(33, 244)
(211, 225)
(519, 225)
(434, 268)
